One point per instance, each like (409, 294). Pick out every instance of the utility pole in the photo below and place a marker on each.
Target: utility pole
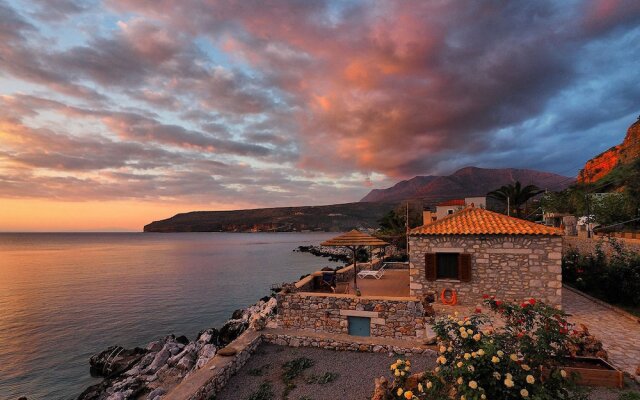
(406, 224)
(508, 206)
(586, 197)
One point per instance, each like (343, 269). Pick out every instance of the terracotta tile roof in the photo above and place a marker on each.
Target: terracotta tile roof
(478, 221)
(354, 238)
(456, 202)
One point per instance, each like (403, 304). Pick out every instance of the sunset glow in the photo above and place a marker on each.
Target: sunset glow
(116, 113)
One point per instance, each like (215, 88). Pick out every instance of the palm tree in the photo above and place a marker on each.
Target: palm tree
(514, 195)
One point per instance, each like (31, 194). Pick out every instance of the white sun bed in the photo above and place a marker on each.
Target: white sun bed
(378, 273)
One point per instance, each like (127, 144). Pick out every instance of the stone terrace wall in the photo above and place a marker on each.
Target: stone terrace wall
(509, 267)
(586, 245)
(296, 340)
(391, 317)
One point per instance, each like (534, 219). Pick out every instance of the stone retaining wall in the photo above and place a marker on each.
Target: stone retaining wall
(391, 317)
(218, 371)
(509, 267)
(342, 345)
(586, 245)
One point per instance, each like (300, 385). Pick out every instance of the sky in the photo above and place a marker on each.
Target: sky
(115, 113)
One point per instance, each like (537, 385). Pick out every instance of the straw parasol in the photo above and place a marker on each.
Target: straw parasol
(353, 240)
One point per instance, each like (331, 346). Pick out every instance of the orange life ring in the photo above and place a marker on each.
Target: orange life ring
(451, 301)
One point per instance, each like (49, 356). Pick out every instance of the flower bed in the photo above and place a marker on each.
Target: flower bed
(524, 359)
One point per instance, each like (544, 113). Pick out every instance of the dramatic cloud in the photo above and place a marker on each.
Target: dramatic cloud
(296, 101)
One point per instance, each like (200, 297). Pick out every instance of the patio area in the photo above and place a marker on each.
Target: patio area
(393, 283)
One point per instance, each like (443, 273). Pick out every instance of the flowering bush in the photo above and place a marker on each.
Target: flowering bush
(507, 363)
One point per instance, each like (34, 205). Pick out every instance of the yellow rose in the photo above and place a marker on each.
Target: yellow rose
(460, 381)
(524, 393)
(460, 323)
(473, 385)
(480, 352)
(483, 396)
(526, 367)
(497, 375)
(437, 369)
(398, 361)
(400, 391)
(474, 354)
(469, 332)
(450, 349)
(476, 337)
(464, 335)
(500, 353)
(508, 383)
(420, 388)
(563, 373)
(397, 373)
(513, 357)
(463, 398)
(408, 394)
(467, 356)
(471, 368)
(402, 373)
(530, 379)
(462, 330)
(429, 385)
(495, 360)
(442, 349)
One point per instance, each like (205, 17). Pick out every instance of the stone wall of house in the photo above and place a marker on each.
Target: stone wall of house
(509, 267)
(326, 312)
(586, 245)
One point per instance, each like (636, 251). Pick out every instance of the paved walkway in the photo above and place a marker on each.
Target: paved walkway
(619, 335)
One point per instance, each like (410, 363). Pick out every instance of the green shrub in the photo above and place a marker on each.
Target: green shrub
(629, 396)
(264, 392)
(614, 278)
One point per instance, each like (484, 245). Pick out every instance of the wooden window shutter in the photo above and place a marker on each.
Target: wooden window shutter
(464, 267)
(430, 266)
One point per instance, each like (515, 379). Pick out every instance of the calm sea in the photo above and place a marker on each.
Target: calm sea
(64, 296)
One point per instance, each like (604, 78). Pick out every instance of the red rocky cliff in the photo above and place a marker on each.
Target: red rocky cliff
(624, 153)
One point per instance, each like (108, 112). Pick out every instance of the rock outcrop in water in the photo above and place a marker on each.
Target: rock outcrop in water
(150, 372)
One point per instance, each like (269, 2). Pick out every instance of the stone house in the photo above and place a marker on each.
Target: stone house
(475, 251)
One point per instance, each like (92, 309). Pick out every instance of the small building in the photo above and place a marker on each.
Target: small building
(448, 207)
(475, 251)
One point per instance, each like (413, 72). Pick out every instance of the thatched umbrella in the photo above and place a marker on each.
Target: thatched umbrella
(354, 240)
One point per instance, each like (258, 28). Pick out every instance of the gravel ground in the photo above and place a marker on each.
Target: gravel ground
(356, 374)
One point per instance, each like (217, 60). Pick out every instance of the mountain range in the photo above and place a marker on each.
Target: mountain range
(366, 213)
(466, 182)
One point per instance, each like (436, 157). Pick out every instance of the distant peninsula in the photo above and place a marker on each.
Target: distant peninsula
(330, 218)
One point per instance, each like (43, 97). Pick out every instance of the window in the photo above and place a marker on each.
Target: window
(449, 211)
(447, 265)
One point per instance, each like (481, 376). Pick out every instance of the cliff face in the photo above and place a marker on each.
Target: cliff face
(624, 153)
(466, 182)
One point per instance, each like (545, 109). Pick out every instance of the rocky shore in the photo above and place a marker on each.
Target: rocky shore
(340, 254)
(150, 372)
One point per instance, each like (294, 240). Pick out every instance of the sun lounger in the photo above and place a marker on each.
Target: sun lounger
(374, 273)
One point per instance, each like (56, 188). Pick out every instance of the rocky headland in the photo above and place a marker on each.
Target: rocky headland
(150, 372)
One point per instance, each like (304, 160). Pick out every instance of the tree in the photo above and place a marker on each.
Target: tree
(515, 196)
